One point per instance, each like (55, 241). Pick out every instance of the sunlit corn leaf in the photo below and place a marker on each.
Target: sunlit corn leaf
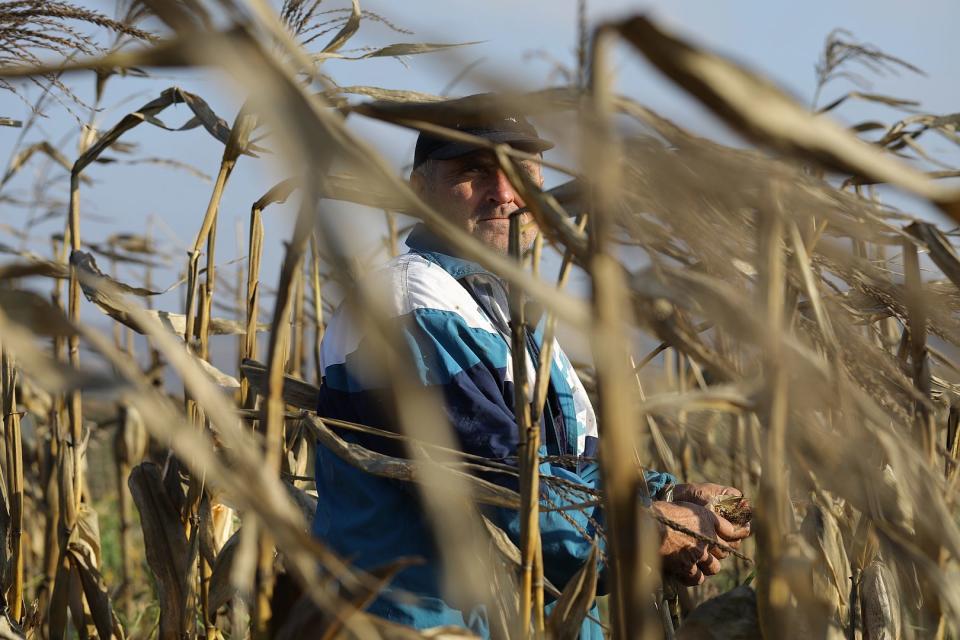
(379, 93)
(470, 109)
(869, 97)
(167, 550)
(831, 566)
(943, 254)
(168, 53)
(94, 286)
(353, 189)
(484, 491)
(203, 115)
(347, 31)
(395, 50)
(86, 262)
(766, 115)
(9, 630)
(297, 393)
(177, 323)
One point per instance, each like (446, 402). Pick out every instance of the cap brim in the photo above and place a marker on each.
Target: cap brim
(530, 144)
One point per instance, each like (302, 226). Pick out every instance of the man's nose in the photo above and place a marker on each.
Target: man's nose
(501, 191)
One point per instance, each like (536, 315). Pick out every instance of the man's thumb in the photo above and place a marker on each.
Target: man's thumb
(729, 531)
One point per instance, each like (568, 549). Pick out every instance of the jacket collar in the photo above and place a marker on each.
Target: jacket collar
(422, 241)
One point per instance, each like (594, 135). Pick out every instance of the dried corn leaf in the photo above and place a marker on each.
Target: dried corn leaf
(107, 252)
(483, 491)
(46, 372)
(31, 310)
(304, 500)
(46, 268)
(97, 288)
(346, 31)
(23, 156)
(87, 533)
(85, 262)
(395, 95)
(396, 50)
(471, 109)
(942, 252)
(167, 550)
(173, 163)
(221, 588)
(168, 53)
(242, 477)
(361, 597)
(880, 603)
(768, 116)
(576, 600)
(296, 392)
(202, 115)
(831, 566)
(869, 97)
(134, 243)
(95, 592)
(176, 322)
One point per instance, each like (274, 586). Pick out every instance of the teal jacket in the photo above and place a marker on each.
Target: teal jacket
(453, 317)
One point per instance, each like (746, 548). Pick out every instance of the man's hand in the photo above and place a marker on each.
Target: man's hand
(703, 493)
(706, 494)
(686, 558)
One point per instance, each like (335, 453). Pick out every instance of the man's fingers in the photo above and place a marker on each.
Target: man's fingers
(719, 553)
(703, 553)
(693, 577)
(710, 566)
(729, 531)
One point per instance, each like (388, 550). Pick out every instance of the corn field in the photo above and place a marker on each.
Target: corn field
(755, 315)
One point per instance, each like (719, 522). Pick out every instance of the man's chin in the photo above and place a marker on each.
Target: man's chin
(499, 242)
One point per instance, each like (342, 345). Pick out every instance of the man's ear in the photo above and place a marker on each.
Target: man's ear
(417, 183)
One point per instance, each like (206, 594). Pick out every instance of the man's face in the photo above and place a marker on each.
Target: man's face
(475, 194)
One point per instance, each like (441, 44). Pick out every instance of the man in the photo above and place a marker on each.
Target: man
(453, 316)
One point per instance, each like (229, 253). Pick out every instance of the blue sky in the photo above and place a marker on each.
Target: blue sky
(781, 39)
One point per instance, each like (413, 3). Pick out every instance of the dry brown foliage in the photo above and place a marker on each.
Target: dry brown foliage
(806, 353)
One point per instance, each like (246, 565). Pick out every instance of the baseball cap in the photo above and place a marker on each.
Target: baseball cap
(512, 129)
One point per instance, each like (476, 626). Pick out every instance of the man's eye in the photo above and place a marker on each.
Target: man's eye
(477, 169)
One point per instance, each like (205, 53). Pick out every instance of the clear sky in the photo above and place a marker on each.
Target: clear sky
(518, 41)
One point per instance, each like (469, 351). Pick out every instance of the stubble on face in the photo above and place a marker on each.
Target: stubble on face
(475, 194)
